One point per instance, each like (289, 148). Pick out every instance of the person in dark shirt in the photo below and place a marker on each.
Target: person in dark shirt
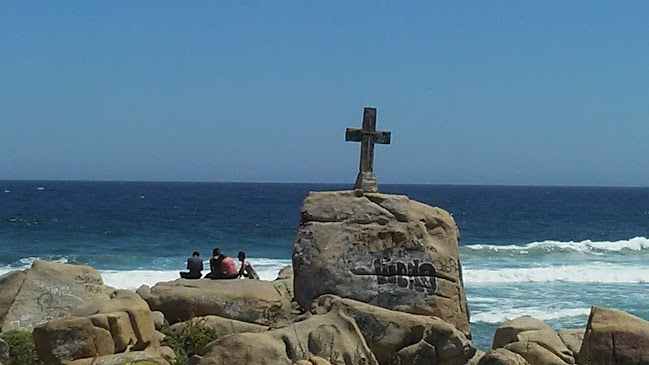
(222, 267)
(195, 266)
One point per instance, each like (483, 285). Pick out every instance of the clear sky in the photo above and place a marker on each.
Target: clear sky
(488, 92)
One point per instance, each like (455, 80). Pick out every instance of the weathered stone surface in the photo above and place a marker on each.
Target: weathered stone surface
(129, 358)
(158, 319)
(286, 273)
(534, 340)
(10, 284)
(223, 326)
(402, 338)
(386, 250)
(254, 301)
(65, 339)
(129, 320)
(4, 352)
(573, 339)
(507, 332)
(52, 290)
(502, 356)
(614, 337)
(334, 337)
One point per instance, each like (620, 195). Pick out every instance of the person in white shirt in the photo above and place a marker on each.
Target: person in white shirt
(247, 270)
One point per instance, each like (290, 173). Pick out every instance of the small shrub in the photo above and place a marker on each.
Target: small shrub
(22, 350)
(188, 341)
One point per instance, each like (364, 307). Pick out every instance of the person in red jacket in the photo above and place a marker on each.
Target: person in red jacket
(221, 266)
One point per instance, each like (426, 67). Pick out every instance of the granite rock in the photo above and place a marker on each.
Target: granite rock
(385, 250)
(254, 301)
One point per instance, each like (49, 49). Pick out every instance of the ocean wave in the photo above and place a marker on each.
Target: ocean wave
(499, 315)
(593, 273)
(632, 245)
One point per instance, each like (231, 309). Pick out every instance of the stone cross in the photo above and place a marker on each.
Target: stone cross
(368, 136)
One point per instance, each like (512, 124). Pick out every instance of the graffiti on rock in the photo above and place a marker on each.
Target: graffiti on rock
(413, 275)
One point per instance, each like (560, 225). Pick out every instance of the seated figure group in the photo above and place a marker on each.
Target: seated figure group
(221, 267)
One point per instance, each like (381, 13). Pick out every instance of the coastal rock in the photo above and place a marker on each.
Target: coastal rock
(10, 284)
(127, 317)
(572, 337)
(121, 323)
(534, 340)
(334, 337)
(385, 250)
(129, 358)
(502, 356)
(158, 319)
(65, 339)
(286, 273)
(52, 290)
(254, 301)
(614, 337)
(402, 338)
(222, 326)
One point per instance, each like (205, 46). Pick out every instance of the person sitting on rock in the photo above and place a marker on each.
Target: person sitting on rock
(195, 266)
(221, 266)
(247, 270)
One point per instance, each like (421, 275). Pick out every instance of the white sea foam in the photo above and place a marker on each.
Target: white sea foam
(587, 246)
(133, 279)
(591, 273)
(500, 315)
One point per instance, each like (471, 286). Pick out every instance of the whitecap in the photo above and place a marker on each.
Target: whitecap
(586, 246)
(501, 315)
(591, 273)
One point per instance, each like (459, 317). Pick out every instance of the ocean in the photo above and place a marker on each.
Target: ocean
(550, 252)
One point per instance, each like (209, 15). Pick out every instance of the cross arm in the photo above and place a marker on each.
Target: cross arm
(356, 135)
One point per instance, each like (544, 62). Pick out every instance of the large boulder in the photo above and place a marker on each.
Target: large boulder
(10, 284)
(333, 337)
(614, 337)
(534, 340)
(502, 356)
(49, 291)
(129, 358)
(572, 337)
(222, 326)
(127, 317)
(121, 323)
(66, 339)
(386, 250)
(403, 338)
(254, 301)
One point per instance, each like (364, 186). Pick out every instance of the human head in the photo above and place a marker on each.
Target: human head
(241, 255)
(216, 252)
(196, 253)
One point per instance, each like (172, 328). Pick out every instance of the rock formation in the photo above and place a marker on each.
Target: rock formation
(45, 292)
(534, 340)
(333, 336)
(614, 337)
(121, 323)
(385, 250)
(403, 338)
(253, 301)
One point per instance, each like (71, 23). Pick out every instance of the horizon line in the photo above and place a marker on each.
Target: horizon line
(316, 183)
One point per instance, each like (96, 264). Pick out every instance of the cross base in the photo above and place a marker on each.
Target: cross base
(366, 181)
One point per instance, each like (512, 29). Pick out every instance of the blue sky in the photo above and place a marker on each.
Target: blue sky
(540, 93)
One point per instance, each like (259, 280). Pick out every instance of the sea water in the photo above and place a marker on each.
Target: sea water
(550, 252)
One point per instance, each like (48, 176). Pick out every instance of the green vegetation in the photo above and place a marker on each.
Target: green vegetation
(189, 340)
(21, 348)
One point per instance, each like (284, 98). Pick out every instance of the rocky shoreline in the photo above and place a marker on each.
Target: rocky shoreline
(376, 279)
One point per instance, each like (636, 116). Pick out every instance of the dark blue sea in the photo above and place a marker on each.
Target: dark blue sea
(550, 252)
